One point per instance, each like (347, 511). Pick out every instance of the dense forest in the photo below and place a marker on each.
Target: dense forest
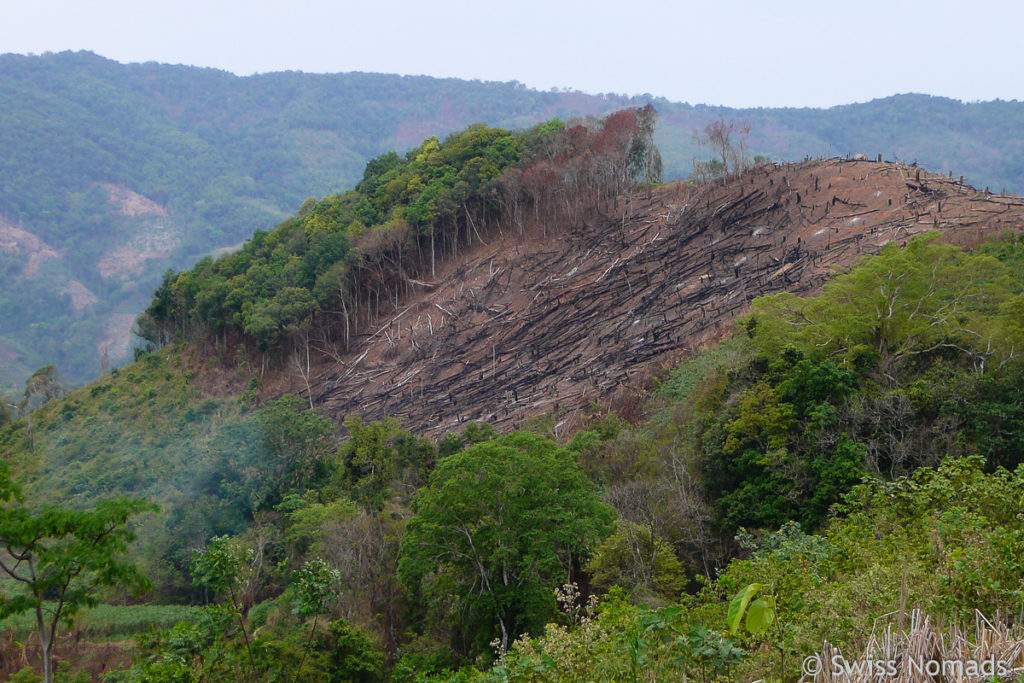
(836, 462)
(114, 173)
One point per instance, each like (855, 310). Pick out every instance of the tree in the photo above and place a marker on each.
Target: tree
(727, 142)
(276, 452)
(498, 527)
(314, 588)
(354, 657)
(636, 558)
(900, 307)
(41, 387)
(6, 414)
(63, 556)
(225, 568)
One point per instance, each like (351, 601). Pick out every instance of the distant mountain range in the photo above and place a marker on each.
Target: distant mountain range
(110, 174)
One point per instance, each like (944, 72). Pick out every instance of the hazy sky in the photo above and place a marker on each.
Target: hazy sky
(781, 53)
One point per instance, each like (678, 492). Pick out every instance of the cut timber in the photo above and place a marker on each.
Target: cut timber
(561, 328)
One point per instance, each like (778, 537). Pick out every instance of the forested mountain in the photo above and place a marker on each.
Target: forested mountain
(112, 173)
(510, 409)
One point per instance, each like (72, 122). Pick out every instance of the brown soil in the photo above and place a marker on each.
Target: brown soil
(547, 325)
(81, 296)
(34, 250)
(154, 235)
(129, 203)
(155, 238)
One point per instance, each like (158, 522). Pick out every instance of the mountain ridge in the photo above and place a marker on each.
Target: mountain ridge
(225, 154)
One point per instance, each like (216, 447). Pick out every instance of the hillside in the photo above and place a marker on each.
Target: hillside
(114, 173)
(539, 325)
(666, 460)
(527, 328)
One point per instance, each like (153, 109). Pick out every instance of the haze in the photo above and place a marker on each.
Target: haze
(741, 54)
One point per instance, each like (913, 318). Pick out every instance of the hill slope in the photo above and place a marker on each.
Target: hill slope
(517, 328)
(113, 173)
(528, 328)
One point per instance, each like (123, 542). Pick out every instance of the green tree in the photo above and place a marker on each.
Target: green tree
(635, 557)
(223, 567)
(927, 300)
(6, 414)
(380, 458)
(278, 451)
(63, 556)
(354, 657)
(314, 589)
(499, 525)
(41, 387)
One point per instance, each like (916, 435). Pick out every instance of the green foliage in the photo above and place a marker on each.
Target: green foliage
(65, 555)
(621, 642)
(314, 586)
(327, 270)
(683, 380)
(26, 675)
(496, 528)
(946, 540)
(109, 622)
(353, 657)
(148, 430)
(225, 154)
(194, 650)
(751, 434)
(6, 412)
(307, 520)
(780, 452)
(221, 154)
(753, 612)
(636, 558)
(381, 455)
(904, 305)
(282, 280)
(960, 522)
(215, 644)
(295, 440)
(990, 411)
(219, 566)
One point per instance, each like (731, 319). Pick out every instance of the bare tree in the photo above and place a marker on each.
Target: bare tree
(727, 141)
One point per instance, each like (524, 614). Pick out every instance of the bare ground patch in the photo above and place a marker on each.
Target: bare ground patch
(548, 325)
(17, 241)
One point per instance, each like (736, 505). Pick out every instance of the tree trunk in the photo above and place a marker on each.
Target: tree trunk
(45, 646)
(344, 309)
(504, 635)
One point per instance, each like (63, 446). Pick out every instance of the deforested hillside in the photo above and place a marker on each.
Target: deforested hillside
(513, 409)
(113, 173)
(548, 324)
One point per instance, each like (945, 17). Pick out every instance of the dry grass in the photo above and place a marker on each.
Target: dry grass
(928, 652)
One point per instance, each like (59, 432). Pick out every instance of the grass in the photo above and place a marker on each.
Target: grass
(682, 381)
(110, 622)
(925, 644)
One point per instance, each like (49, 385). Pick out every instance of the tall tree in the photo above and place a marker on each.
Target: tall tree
(500, 525)
(64, 557)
